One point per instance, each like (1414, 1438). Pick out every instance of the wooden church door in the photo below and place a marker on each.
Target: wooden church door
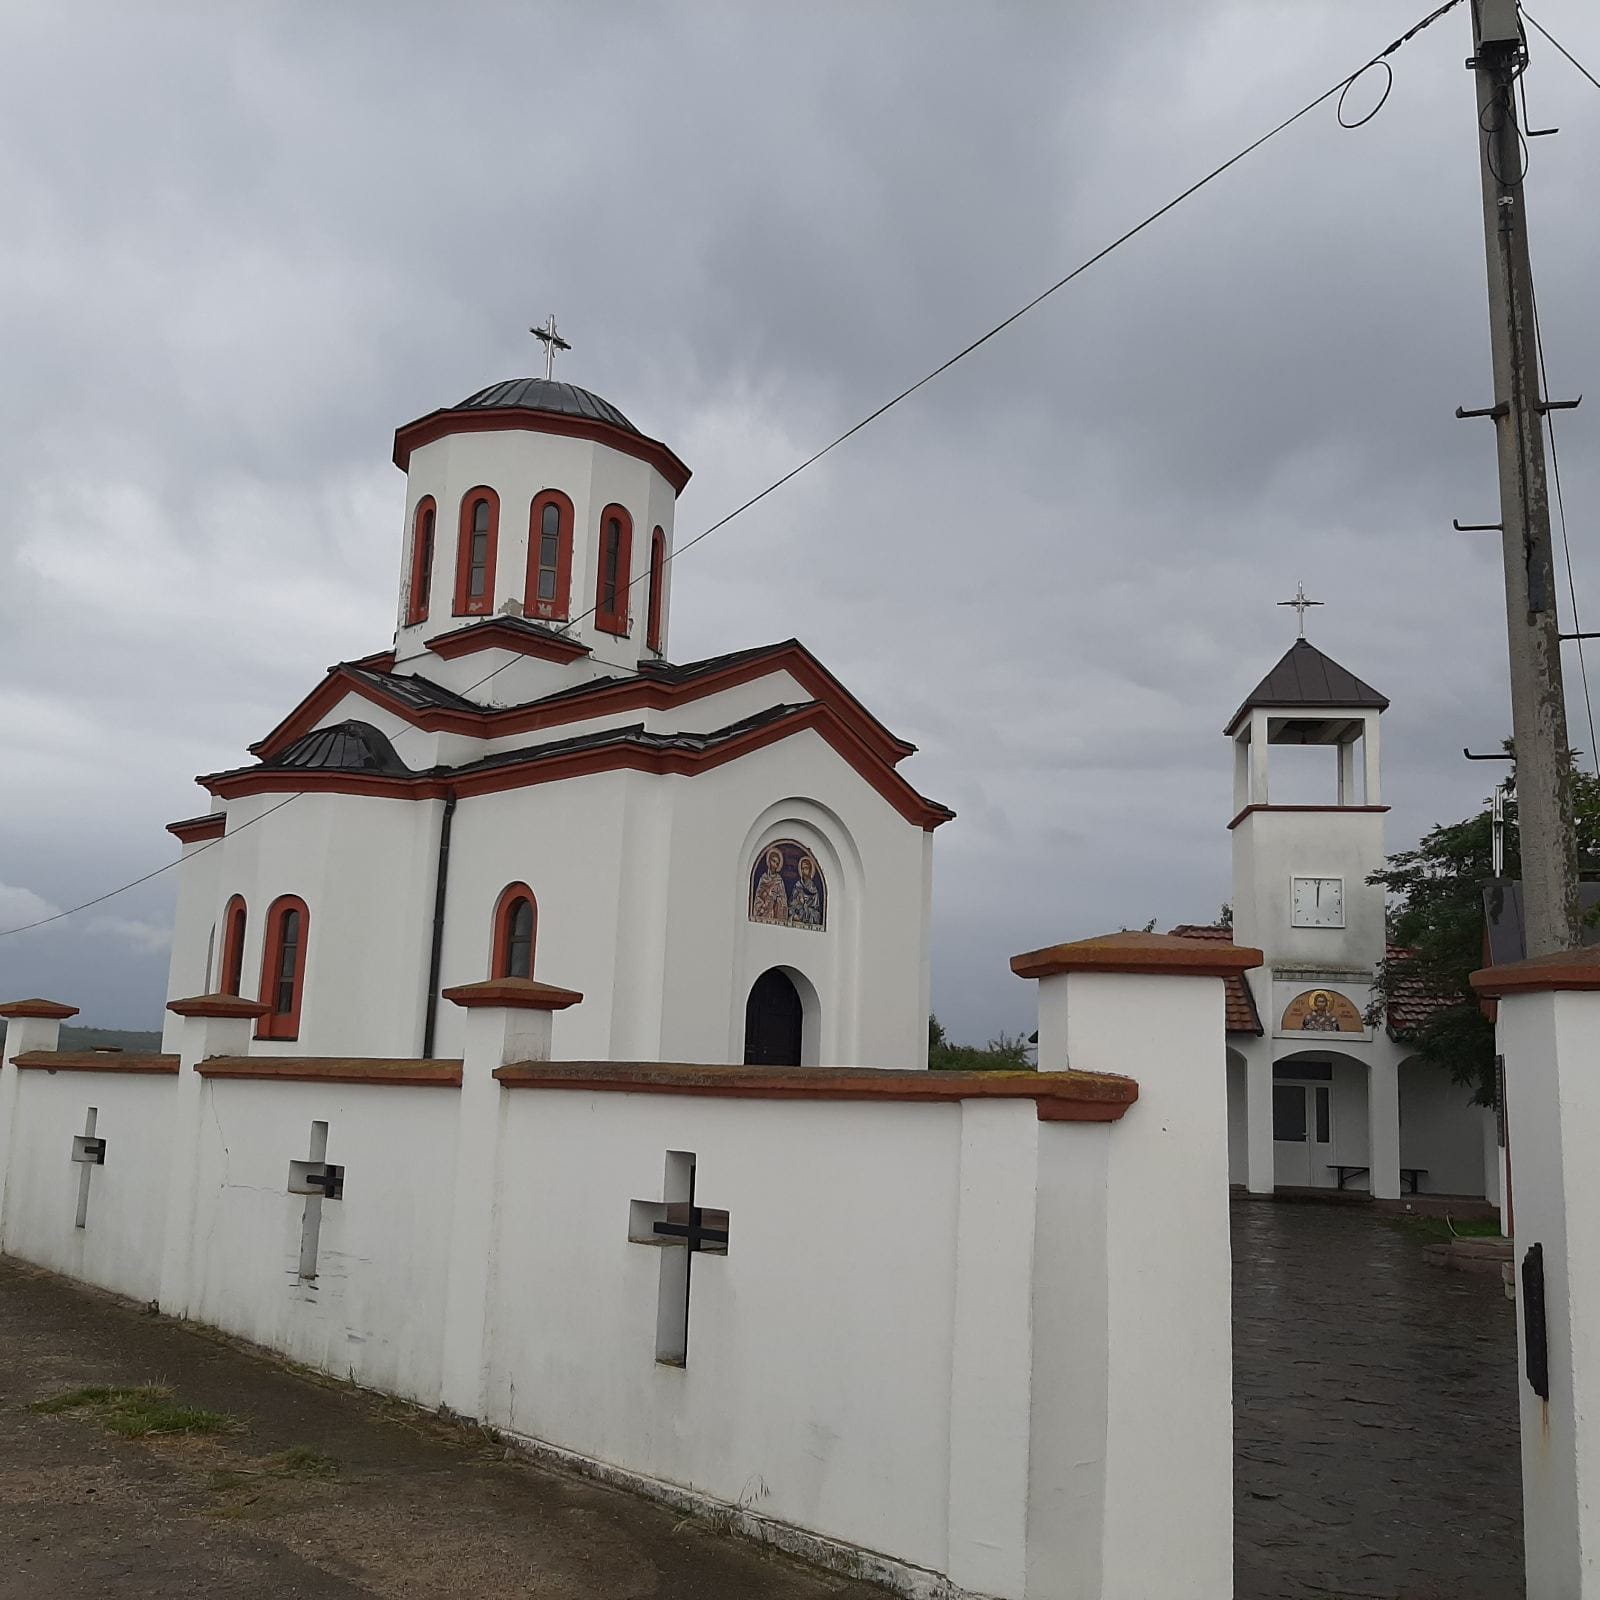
(773, 1020)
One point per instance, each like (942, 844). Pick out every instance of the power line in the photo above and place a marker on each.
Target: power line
(1561, 515)
(1563, 49)
(1339, 88)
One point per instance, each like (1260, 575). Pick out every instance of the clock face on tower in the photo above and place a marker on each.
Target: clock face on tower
(1317, 903)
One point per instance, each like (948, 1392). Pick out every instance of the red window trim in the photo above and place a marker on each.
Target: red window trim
(658, 572)
(287, 1024)
(465, 605)
(555, 610)
(500, 949)
(421, 572)
(615, 619)
(230, 971)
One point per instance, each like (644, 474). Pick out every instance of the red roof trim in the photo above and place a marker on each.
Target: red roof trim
(141, 1061)
(520, 419)
(644, 692)
(497, 633)
(192, 830)
(537, 768)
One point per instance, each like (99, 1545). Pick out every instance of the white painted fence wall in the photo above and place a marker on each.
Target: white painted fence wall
(954, 1342)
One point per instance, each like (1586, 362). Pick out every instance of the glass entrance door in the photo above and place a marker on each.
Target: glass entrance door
(1302, 1125)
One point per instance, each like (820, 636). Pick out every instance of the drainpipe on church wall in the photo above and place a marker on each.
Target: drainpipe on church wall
(441, 879)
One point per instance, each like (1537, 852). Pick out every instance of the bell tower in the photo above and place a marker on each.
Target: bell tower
(1300, 870)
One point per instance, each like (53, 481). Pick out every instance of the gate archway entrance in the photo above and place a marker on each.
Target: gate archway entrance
(774, 1021)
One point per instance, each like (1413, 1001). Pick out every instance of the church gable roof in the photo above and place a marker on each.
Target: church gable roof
(632, 748)
(1306, 677)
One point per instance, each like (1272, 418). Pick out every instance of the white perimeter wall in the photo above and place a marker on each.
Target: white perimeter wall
(120, 1248)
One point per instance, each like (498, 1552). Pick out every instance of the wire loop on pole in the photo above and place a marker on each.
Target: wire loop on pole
(1350, 83)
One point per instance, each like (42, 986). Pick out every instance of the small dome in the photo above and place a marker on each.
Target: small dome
(346, 747)
(545, 394)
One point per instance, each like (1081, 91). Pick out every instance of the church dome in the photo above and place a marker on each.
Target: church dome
(545, 394)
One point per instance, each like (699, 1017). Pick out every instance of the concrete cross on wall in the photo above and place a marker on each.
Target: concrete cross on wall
(89, 1152)
(317, 1181)
(684, 1230)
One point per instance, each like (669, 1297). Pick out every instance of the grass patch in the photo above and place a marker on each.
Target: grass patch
(1449, 1228)
(301, 1461)
(146, 1412)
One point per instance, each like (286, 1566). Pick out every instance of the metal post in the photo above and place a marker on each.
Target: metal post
(1538, 704)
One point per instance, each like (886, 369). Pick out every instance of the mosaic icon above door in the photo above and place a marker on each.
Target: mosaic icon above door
(1321, 1011)
(787, 889)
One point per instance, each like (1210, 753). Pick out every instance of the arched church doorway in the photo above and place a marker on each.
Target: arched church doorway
(774, 1021)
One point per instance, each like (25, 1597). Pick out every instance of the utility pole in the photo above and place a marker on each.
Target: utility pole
(1538, 701)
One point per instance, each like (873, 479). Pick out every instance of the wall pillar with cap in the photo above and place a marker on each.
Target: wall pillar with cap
(1138, 1212)
(30, 1025)
(1549, 1035)
(211, 1025)
(508, 1020)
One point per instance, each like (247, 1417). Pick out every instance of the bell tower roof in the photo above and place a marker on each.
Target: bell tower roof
(1305, 678)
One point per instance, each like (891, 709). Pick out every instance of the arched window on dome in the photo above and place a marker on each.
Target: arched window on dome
(475, 552)
(516, 927)
(283, 967)
(235, 918)
(616, 554)
(658, 574)
(549, 558)
(422, 539)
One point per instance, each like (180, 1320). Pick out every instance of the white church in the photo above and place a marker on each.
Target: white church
(722, 856)
(1322, 1094)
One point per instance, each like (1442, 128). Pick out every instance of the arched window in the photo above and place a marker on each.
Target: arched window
(283, 967)
(231, 973)
(658, 573)
(475, 552)
(616, 553)
(516, 927)
(422, 530)
(549, 557)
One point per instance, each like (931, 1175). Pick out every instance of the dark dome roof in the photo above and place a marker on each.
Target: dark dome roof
(545, 394)
(346, 747)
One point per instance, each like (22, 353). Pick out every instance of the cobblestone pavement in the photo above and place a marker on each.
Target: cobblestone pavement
(1375, 1414)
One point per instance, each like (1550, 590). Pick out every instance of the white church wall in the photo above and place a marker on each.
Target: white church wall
(119, 1247)
(374, 1312)
(819, 1355)
(1440, 1130)
(191, 968)
(565, 841)
(868, 967)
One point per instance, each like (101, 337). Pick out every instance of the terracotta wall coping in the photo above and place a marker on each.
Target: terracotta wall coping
(526, 994)
(444, 1074)
(1059, 1096)
(1269, 807)
(218, 1005)
(50, 1010)
(1566, 969)
(97, 1061)
(1154, 954)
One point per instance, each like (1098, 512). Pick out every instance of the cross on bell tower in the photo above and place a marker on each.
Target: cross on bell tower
(1300, 605)
(552, 341)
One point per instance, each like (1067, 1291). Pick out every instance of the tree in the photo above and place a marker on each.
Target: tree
(1436, 925)
(1008, 1053)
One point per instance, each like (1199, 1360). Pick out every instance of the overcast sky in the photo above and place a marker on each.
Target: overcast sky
(241, 244)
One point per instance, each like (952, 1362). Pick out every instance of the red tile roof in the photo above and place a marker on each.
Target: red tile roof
(1241, 1013)
(1411, 1006)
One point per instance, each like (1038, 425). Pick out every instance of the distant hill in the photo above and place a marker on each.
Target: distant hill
(99, 1038)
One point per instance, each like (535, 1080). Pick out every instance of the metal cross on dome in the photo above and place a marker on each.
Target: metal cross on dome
(552, 341)
(1301, 605)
